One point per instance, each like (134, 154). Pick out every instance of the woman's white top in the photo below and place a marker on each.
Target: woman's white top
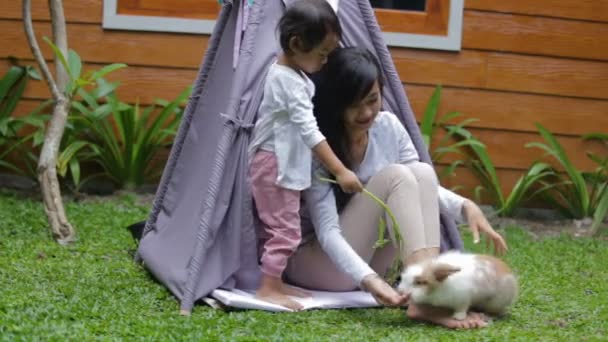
(388, 143)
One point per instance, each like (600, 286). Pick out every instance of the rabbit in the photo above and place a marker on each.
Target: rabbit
(460, 281)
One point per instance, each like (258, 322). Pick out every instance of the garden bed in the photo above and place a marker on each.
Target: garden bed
(537, 222)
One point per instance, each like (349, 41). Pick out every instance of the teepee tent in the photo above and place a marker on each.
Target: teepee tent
(200, 234)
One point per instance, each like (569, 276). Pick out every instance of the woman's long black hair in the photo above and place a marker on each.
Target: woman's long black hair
(344, 81)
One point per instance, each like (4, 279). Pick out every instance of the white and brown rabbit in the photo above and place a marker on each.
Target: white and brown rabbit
(460, 281)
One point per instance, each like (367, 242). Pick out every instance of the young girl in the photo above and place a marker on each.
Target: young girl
(284, 138)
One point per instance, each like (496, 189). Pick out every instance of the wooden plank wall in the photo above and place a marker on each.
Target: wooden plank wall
(522, 62)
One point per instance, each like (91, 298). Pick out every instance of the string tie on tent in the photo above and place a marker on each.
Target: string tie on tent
(239, 123)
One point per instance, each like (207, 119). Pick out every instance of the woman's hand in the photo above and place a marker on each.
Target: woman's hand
(383, 293)
(478, 223)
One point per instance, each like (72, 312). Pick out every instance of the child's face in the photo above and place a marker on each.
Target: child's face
(313, 60)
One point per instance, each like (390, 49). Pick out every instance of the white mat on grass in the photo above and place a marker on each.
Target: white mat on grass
(319, 300)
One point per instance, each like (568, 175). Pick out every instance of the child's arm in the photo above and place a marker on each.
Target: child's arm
(347, 179)
(300, 111)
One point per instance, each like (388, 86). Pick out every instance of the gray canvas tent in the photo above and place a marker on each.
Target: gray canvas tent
(200, 234)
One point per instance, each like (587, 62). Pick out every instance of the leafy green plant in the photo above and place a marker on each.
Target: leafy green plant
(573, 192)
(601, 172)
(598, 180)
(12, 136)
(12, 86)
(28, 145)
(73, 65)
(458, 140)
(601, 211)
(483, 168)
(429, 125)
(121, 138)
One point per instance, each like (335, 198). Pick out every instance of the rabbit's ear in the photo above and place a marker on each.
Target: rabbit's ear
(442, 271)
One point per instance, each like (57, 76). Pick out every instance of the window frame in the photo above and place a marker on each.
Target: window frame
(450, 39)
(113, 20)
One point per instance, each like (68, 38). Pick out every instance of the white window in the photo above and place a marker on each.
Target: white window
(430, 24)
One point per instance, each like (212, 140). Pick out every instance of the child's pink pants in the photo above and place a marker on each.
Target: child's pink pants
(278, 210)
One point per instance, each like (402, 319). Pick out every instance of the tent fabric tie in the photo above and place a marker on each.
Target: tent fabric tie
(239, 123)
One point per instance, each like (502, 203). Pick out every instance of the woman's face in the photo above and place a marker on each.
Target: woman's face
(360, 115)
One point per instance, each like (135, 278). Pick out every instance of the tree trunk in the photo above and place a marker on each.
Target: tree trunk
(62, 230)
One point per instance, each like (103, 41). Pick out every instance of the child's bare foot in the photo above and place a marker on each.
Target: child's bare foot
(292, 291)
(271, 290)
(278, 298)
(444, 317)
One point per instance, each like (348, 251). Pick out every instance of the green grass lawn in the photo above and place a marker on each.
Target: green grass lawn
(92, 290)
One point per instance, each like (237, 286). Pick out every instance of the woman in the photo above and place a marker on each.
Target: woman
(339, 232)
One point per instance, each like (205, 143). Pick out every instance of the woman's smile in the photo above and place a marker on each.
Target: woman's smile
(365, 121)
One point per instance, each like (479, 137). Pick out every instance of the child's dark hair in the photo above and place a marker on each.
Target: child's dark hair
(310, 21)
(346, 79)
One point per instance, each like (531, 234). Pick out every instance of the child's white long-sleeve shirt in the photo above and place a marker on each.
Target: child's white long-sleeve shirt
(286, 125)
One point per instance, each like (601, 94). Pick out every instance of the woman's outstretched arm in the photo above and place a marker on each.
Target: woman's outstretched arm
(321, 204)
(467, 211)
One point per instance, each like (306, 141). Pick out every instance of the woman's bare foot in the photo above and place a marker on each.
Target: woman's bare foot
(444, 317)
(292, 291)
(271, 290)
(482, 316)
